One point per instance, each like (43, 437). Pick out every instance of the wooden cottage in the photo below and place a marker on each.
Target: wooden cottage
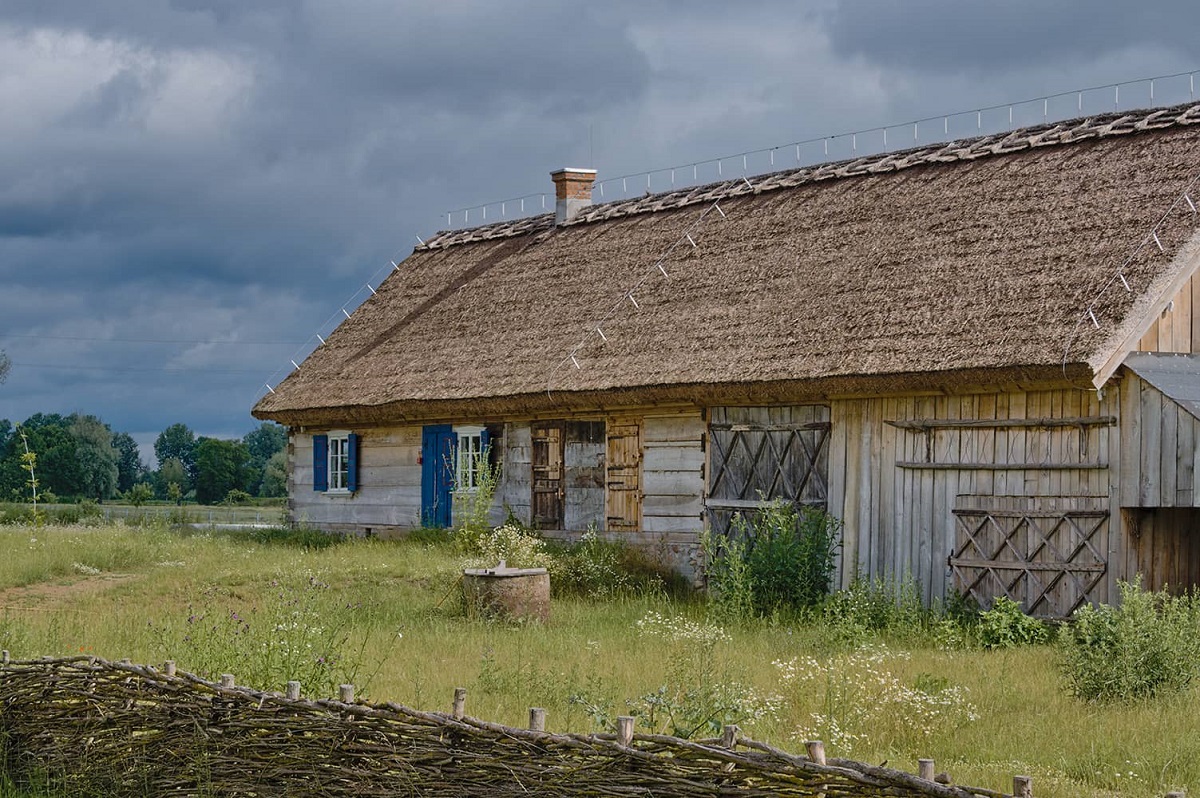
(981, 356)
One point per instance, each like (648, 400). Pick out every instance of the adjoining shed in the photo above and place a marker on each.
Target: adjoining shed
(953, 349)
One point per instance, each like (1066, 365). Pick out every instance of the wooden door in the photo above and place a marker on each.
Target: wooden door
(437, 474)
(1046, 553)
(624, 476)
(546, 502)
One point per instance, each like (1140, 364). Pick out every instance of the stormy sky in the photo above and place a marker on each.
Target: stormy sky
(190, 190)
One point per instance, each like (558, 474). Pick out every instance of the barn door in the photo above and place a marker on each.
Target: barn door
(547, 486)
(1045, 553)
(765, 454)
(624, 467)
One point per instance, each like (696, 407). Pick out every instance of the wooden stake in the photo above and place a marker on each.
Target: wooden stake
(625, 730)
(169, 667)
(4, 656)
(537, 719)
(1022, 787)
(293, 691)
(729, 737)
(925, 769)
(816, 751)
(227, 680)
(346, 693)
(460, 702)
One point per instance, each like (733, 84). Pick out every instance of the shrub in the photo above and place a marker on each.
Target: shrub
(1147, 646)
(777, 559)
(517, 546)
(1006, 625)
(876, 605)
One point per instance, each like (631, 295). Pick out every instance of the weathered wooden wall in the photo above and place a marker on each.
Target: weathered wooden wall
(1178, 328)
(1164, 546)
(898, 466)
(1160, 466)
(389, 474)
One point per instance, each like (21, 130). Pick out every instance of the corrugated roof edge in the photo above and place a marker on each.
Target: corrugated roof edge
(1045, 135)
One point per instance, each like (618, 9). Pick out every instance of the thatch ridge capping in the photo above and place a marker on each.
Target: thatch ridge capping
(1045, 134)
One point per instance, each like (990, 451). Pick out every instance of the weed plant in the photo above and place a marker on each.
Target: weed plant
(1147, 646)
(777, 559)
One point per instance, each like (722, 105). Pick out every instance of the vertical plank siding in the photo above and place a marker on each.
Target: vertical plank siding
(902, 467)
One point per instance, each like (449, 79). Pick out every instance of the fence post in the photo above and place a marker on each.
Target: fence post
(1022, 787)
(460, 702)
(625, 730)
(227, 680)
(293, 691)
(925, 769)
(729, 738)
(169, 667)
(346, 693)
(816, 751)
(4, 656)
(537, 719)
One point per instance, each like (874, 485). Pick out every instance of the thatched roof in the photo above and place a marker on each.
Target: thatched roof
(970, 262)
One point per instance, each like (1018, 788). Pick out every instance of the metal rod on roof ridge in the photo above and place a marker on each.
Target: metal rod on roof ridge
(294, 363)
(269, 388)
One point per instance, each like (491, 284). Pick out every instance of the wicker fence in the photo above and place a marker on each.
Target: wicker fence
(85, 726)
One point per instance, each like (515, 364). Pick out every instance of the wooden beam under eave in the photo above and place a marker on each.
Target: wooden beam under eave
(1148, 310)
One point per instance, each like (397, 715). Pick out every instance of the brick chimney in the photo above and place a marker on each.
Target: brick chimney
(572, 192)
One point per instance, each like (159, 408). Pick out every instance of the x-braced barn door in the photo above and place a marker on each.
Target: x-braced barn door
(1045, 553)
(624, 476)
(766, 454)
(547, 485)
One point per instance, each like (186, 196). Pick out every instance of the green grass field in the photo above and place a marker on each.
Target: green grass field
(388, 613)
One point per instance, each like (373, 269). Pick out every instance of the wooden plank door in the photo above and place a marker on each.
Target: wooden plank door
(1049, 559)
(624, 476)
(546, 501)
(438, 444)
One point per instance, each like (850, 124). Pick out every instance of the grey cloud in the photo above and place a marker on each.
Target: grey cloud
(980, 37)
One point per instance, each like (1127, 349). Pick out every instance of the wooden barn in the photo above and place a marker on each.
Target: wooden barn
(981, 356)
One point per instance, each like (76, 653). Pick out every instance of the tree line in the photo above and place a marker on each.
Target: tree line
(80, 457)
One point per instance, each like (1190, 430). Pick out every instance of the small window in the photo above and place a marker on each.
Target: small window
(335, 462)
(472, 457)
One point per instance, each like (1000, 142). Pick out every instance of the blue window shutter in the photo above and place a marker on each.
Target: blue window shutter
(484, 439)
(352, 462)
(321, 462)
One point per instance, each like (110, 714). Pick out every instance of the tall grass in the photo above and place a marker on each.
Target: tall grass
(982, 714)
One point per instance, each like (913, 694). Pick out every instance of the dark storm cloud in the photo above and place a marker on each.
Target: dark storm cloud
(980, 37)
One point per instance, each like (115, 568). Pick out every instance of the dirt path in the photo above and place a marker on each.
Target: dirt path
(60, 591)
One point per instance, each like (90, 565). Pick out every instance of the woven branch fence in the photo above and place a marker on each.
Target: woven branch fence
(86, 726)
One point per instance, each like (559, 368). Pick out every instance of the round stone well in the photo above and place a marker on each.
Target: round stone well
(516, 594)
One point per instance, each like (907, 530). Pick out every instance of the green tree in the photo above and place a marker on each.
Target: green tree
(221, 466)
(95, 455)
(179, 442)
(130, 469)
(139, 494)
(274, 481)
(171, 472)
(262, 444)
(59, 471)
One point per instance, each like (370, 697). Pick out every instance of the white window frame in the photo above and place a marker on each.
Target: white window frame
(338, 469)
(469, 458)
